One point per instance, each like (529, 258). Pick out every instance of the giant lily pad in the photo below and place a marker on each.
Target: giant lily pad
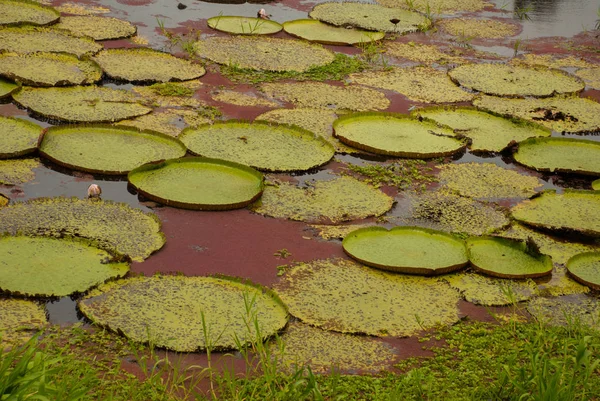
(198, 183)
(567, 155)
(263, 53)
(186, 313)
(17, 171)
(410, 250)
(35, 39)
(437, 6)
(113, 225)
(81, 103)
(585, 268)
(571, 211)
(98, 28)
(591, 76)
(44, 266)
(371, 17)
(396, 135)
(421, 53)
(19, 319)
(49, 69)
(479, 28)
(17, 12)
(341, 295)
(167, 121)
(106, 149)
(7, 88)
(146, 65)
(506, 80)
(563, 311)
(490, 291)
(316, 31)
(244, 25)
(270, 147)
(18, 137)
(489, 132)
(341, 199)
(243, 99)
(596, 185)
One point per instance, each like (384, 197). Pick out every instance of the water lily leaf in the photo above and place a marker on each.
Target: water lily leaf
(81, 9)
(198, 183)
(571, 211)
(341, 199)
(371, 17)
(98, 28)
(596, 185)
(28, 39)
(479, 28)
(81, 103)
(112, 225)
(170, 121)
(172, 311)
(264, 146)
(591, 76)
(421, 53)
(17, 171)
(146, 65)
(422, 84)
(438, 6)
(559, 113)
(325, 96)
(269, 54)
(242, 99)
(551, 61)
(410, 250)
(171, 94)
(244, 25)
(106, 149)
(585, 268)
(19, 137)
(396, 135)
(489, 132)
(341, 295)
(561, 311)
(565, 155)
(561, 284)
(491, 291)
(316, 31)
(486, 181)
(18, 320)
(506, 80)
(328, 232)
(17, 12)
(48, 69)
(4, 201)
(7, 88)
(54, 267)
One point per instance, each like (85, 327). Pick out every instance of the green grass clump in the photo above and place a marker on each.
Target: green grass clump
(403, 174)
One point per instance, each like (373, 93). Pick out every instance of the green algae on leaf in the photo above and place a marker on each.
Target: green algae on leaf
(371, 17)
(173, 311)
(488, 132)
(7, 88)
(403, 174)
(167, 121)
(198, 183)
(328, 232)
(17, 171)
(585, 268)
(491, 291)
(506, 80)
(268, 54)
(591, 76)
(335, 201)
(48, 69)
(551, 61)
(396, 135)
(18, 137)
(242, 99)
(479, 28)
(437, 6)
(19, 319)
(243, 25)
(262, 145)
(17, 12)
(98, 28)
(564, 310)
(106, 149)
(146, 65)
(422, 84)
(564, 155)
(28, 39)
(411, 250)
(171, 94)
(81, 103)
(112, 225)
(54, 267)
(341, 295)
(316, 31)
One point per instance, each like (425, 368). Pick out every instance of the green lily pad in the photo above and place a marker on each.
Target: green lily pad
(561, 284)
(316, 31)
(7, 88)
(146, 65)
(48, 69)
(19, 319)
(479, 28)
(174, 311)
(563, 311)
(17, 12)
(585, 268)
(421, 53)
(565, 155)
(591, 76)
(17, 171)
(341, 295)
(28, 39)
(106, 149)
(54, 267)
(98, 28)
(264, 146)
(489, 132)
(81, 103)
(570, 211)
(242, 99)
(396, 135)
(507, 258)
(269, 54)
(19, 137)
(113, 225)
(490, 291)
(244, 25)
(371, 17)
(596, 185)
(411, 250)
(341, 199)
(507, 80)
(437, 6)
(198, 183)
(560, 113)
(167, 121)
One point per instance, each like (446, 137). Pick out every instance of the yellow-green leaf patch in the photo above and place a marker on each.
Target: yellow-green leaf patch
(19, 319)
(585, 268)
(244, 25)
(28, 39)
(17, 12)
(316, 31)
(17, 137)
(168, 121)
(591, 76)
(491, 291)
(437, 6)
(98, 28)
(596, 185)
(479, 28)
(421, 53)
(17, 171)
(562, 311)
(7, 88)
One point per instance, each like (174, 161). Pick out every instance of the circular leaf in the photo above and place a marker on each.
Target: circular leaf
(585, 268)
(18, 319)
(17, 12)
(316, 31)
(98, 28)
(29, 39)
(596, 185)
(19, 137)
(244, 25)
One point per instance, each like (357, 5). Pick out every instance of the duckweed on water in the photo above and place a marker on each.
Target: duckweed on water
(491, 291)
(551, 61)
(421, 53)
(243, 99)
(19, 319)
(402, 174)
(28, 39)
(560, 311)
(437, 6)
(99, 28)
(479, 28)
(17, 171)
